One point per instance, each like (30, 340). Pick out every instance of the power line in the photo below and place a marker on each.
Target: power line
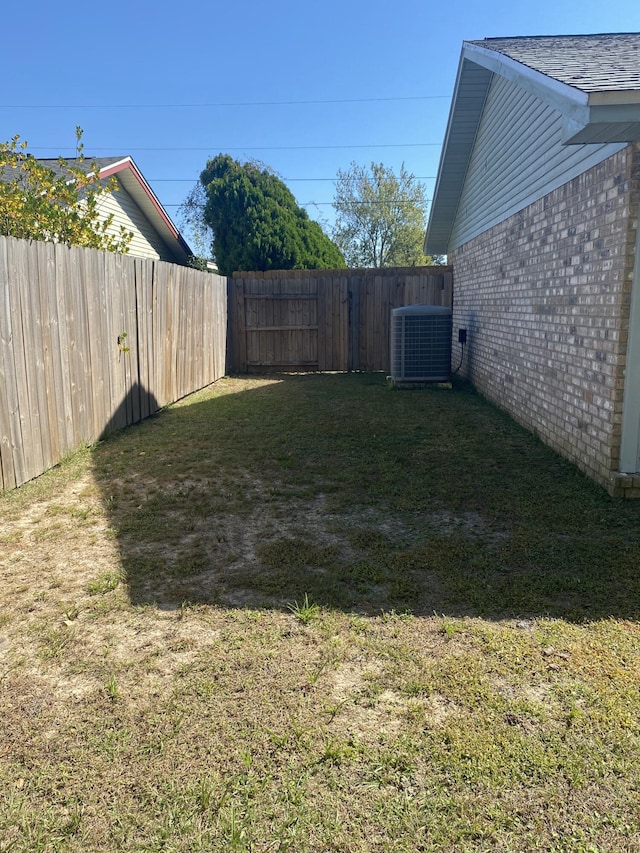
(191, 180)
(218, 104)
(319, 203)
(354, 201)
(249, 147)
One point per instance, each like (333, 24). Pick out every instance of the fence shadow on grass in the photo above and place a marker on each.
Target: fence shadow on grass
(364, 498)
(137, 405)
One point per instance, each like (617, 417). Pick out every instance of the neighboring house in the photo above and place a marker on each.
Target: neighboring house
(536, 206)
(135, 207)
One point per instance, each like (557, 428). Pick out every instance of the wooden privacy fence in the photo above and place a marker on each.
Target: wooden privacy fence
(93, 341)
(324, 319)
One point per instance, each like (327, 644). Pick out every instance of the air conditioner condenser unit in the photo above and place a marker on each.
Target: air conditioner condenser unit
(421, 343)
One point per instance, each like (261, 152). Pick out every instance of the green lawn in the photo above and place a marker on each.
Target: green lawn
(317, 613)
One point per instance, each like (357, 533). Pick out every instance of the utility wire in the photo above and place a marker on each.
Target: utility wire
(217, 104)
(248, 147)
(190, 180)
(319, 203)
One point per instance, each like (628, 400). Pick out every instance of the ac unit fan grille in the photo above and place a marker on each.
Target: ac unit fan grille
(421, 345)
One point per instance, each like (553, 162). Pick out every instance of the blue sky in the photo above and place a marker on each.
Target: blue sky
(305, 88)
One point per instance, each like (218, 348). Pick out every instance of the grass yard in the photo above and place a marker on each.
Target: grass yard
(315, 613)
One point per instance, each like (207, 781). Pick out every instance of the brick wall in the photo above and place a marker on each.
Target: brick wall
(545, 298)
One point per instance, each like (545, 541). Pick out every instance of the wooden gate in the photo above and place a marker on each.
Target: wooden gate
(288, 321)
(338, 320)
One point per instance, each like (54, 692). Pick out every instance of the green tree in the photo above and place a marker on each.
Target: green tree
(38, 203)
(256, 222)
(380, 217)
(192, 222)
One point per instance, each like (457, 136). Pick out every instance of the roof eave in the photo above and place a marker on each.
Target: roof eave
(608, 120)
(134, 182)
(458, 145)
(455, 154)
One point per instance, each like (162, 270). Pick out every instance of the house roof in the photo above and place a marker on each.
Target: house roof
(133, 181)
(591, 63)
(592, 80)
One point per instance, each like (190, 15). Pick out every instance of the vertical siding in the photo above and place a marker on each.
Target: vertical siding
(518, 157)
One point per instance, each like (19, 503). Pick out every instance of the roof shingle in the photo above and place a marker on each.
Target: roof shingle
(592, 63)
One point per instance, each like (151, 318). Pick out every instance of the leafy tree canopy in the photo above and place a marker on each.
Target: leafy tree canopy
(38, 203)
(256, 222)
(380, 217)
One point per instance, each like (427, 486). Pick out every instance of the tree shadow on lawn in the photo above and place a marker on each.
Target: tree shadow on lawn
(259, 492)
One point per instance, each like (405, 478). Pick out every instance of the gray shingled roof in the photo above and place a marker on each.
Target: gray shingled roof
(593, 63)
(85, 164)
(53, 163)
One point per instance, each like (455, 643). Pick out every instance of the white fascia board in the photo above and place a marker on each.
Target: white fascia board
(618, 97)
(630, 442)
(115, 166)
(615, 113)
(613, 122)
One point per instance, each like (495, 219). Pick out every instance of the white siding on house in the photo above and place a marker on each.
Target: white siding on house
(145, 243)
(518, 157)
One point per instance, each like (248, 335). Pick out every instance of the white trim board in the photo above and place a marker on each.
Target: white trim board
(630, 443)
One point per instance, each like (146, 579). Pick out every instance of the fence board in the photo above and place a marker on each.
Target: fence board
(238, 333)
(98, 381)
(341, 329)
(159, 321)
(9, 437)
(58, 404)
(34, 364)
(42, 286)
(175, 332)
(129, 359)
(70, 368)
(168, 295)
(145, 337)
(18, 271)
(81, 352)
(178, 334)
(39, 286)
(116, 325)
